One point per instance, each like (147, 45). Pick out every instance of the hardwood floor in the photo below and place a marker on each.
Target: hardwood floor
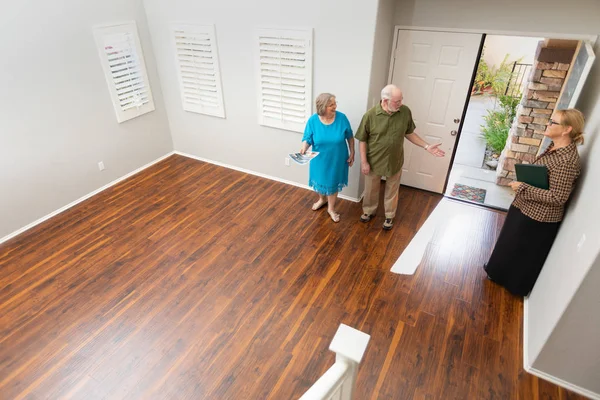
(192, 281)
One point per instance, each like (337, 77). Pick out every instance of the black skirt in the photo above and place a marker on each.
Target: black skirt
(520, 252)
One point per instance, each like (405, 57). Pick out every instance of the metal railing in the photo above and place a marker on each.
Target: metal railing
(518, 76)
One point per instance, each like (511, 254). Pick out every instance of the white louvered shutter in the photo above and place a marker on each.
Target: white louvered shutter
(284, 77)
(125, 71)
(198, 69)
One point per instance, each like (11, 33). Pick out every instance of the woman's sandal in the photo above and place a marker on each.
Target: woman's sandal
(319, 204)
(335, 217)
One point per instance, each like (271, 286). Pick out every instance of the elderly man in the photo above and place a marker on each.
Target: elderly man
(381, 134)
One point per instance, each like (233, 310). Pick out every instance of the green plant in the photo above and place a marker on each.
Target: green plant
(498, 123)
(501, 76)
(510, 104)
(492, 79)
(482, 81)
(496, 129)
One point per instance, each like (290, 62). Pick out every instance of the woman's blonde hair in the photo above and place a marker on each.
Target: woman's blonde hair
(322, 101)
(575, 119)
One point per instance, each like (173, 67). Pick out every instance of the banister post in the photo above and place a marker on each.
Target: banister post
(349, 345)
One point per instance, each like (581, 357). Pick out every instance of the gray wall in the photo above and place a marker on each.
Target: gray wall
(384, 37)
(343, 45)
(569, 335)
(380, 60)
(56, 117)
(577, 16)
(566, 266)
(572, 351)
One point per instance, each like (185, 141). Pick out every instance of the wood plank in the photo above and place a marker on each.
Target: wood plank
(189, 280)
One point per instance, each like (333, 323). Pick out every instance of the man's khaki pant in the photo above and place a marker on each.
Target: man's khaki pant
(371, 194)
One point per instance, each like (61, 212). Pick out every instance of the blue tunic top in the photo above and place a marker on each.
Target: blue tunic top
(329, 170)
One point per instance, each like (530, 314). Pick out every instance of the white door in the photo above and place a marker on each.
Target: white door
(434, 71)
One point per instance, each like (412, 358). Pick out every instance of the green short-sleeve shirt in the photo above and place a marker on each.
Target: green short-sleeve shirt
(384, 134)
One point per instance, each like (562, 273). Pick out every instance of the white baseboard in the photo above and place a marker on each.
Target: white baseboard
(273, 178)
(526, 364)
(540, 374)
(87, 196)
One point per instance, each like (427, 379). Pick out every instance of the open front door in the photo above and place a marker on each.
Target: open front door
(434, 71)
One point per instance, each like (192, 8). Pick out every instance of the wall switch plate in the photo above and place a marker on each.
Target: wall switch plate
(101, 166)
(287, 161)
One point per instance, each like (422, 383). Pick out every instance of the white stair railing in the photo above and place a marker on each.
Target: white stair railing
(338, 382)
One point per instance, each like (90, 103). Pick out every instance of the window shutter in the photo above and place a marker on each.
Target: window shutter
(285, 78)
(198, 69)
(125, 71)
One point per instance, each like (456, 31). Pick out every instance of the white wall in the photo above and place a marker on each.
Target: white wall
(56, 116)
(541, 16)
(343, 45)
(572, 351)
(380, 60)
(566, 267)
(518, 47)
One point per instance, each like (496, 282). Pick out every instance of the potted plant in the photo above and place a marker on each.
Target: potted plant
(492, 80)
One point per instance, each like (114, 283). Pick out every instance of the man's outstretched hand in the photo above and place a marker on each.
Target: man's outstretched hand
(436, 151)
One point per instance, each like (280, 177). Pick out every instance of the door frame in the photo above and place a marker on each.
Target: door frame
(591, 39)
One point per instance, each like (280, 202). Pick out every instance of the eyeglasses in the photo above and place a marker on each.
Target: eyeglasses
(397, 102)
(553, 122)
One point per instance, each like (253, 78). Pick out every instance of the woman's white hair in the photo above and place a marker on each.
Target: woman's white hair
(322, 102)
(388, 91)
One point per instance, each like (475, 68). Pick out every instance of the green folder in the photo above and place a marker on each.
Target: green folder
(532, 174)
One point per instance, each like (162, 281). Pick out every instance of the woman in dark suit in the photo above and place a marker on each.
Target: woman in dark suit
(534, 216)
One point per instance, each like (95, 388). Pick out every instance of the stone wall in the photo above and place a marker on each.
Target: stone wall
(533, 113)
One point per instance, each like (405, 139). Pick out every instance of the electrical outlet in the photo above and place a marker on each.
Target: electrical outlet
(287, 161)
(101, 166)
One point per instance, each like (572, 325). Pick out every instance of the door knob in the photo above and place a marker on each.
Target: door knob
(456, 120)
(453, 133)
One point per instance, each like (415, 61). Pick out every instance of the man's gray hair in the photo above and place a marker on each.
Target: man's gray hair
(388, 91)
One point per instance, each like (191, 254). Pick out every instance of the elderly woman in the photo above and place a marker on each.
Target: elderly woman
(327, 132)
(534, 216)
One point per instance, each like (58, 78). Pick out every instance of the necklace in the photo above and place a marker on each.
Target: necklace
(326, 120)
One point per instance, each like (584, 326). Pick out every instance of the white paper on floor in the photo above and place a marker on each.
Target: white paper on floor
(412, 255)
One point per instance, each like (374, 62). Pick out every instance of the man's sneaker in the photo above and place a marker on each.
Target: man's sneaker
(388, 224)
(366, 217)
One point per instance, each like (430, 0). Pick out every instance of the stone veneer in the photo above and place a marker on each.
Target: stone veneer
(533, 113)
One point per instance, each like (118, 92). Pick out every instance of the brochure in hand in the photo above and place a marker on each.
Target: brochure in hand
(303, 159)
